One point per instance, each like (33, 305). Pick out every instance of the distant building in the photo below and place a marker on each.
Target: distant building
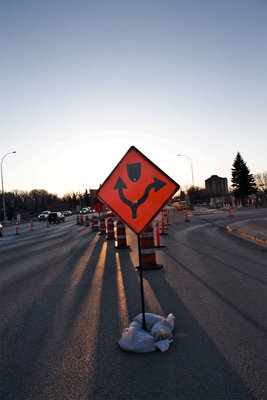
(93, 197)
(216, 185)
(217, 190)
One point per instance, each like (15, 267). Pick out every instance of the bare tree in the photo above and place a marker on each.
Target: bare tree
(261, 180)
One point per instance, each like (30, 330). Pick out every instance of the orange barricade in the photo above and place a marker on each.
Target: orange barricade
(86, 220)
(120, 236)
(148, 255)
(78, 220)
(110, 229)
(183, 209)
(81, 220)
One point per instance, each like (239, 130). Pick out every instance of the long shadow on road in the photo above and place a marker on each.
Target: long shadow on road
(193, 368)
(39, 327)
(64, 345)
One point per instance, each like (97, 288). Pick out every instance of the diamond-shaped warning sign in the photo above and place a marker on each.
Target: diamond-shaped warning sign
(136, 190)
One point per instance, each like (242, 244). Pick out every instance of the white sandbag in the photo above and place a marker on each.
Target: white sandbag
(163, 329)
(151, 319)
(157, 336)
(170, 320)
(163, 345)
(136, 324)
(137, 340)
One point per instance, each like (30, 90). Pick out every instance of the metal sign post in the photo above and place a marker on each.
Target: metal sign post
(141, 284)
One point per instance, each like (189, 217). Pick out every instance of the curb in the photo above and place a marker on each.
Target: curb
(247, 236)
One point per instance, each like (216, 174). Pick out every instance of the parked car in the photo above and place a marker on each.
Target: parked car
(84, 210)
(43, 216)
(1, 230)
(67, 213)
(56, 217)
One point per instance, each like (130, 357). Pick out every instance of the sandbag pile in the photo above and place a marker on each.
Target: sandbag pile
(157, 336)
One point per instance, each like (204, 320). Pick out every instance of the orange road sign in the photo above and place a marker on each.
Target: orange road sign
(99, 207)
(136, 190)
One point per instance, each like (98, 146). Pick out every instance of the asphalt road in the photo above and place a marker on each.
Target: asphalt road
(67, 295)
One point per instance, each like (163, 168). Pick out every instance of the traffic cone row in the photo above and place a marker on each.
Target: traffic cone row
(117, 232)
(234, 204)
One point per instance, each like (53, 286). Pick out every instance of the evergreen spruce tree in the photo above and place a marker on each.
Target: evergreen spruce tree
(242, 180)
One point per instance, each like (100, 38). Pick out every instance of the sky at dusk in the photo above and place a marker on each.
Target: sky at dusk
(82, 81)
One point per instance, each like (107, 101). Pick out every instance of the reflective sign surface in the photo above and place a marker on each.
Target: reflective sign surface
(136, 190)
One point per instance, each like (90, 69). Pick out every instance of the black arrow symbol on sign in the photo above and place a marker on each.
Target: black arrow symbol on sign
(120, 185)
(157, 185)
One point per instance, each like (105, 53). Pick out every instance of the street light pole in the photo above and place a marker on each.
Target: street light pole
(183, 155)
(3, 195)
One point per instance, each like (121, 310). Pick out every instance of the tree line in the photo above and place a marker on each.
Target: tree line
(31, 203)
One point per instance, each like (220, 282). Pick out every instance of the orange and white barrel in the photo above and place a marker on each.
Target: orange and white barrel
(95, 224)
(102, 226)
(120, 236)
(110, 229)
(147, 249)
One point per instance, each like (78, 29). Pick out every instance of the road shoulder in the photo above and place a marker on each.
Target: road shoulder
(252, 229)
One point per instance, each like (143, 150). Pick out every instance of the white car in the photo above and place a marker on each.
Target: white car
(84, 210)
(44, 215)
